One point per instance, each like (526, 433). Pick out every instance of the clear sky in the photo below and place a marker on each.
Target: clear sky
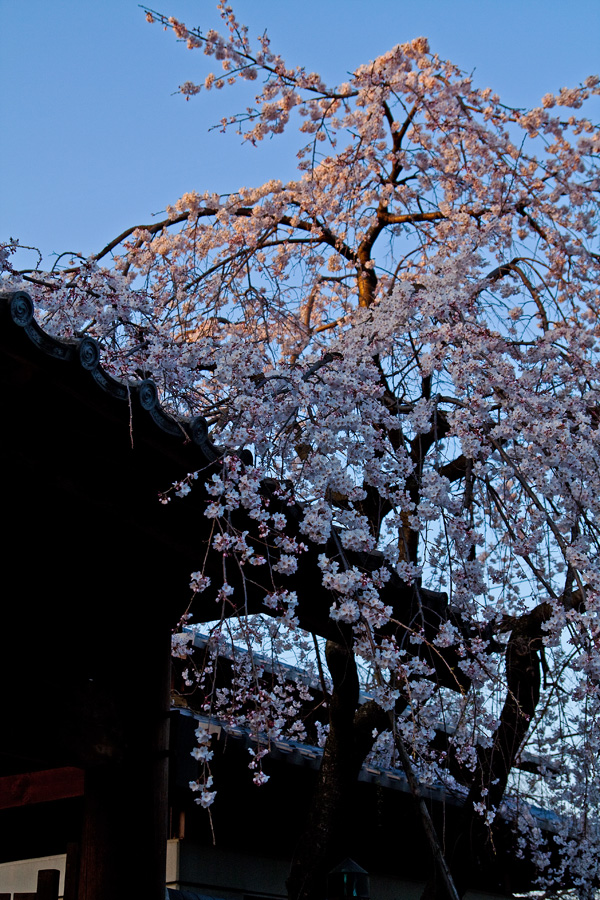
(95, 140)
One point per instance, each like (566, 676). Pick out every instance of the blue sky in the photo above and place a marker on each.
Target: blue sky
(95, 140)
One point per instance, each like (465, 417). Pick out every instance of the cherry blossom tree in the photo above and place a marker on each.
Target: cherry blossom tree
(396, 358)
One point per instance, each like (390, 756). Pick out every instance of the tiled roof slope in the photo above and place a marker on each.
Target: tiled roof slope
(17, 311)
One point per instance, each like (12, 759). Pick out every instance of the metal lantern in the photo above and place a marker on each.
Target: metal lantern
(348, 880)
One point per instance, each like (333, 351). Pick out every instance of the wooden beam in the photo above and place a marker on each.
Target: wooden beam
(27, 788)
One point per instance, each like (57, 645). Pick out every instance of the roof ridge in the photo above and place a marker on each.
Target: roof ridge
(18, 308)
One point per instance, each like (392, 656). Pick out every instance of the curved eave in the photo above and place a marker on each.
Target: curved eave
(21, 334)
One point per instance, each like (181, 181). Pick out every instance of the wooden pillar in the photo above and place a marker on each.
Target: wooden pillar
(47, 884)
(124, 835)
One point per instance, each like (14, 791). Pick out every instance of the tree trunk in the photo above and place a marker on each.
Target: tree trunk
(325, 840)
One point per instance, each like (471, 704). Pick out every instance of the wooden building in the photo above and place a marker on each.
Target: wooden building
(95, 574)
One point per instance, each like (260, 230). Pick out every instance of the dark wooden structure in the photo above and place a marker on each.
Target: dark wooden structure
(95, 574)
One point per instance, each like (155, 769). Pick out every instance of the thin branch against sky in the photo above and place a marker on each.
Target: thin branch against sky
(96, 139)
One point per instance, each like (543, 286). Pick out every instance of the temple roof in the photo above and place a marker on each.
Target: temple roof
(17, 311)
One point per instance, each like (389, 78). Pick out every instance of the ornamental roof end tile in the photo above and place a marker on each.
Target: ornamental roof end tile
(17, 308)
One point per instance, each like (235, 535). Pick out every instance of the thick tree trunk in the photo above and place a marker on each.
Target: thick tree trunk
(325, 839)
